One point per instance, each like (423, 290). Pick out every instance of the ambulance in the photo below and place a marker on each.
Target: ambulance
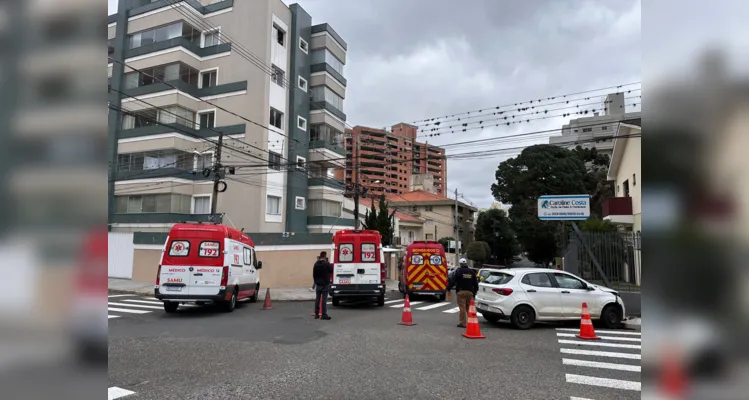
(358, 266)
(207, 264)
(424, 270)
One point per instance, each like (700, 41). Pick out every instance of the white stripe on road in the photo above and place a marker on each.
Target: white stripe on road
(394, 301)
(431, 306)
(621, 339)
(607, 332)
(603, 382)
(135, 305)
(121, 295)
(452, 310)
(116, 393)
(413, 303)
(156, 303)
(125, 310)
(594, 353)
(596, 364)
(112, 316)
(578, 398)
(598, 343)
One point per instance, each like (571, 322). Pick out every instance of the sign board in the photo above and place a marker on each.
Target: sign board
(564, 207)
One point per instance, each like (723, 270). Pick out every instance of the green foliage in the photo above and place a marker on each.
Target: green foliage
(382, 221)
(597, 225)
(445, 242)
(494, 227)
(477, 252)
(596, 181)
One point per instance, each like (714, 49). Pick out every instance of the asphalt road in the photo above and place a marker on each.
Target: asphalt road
(362, 353)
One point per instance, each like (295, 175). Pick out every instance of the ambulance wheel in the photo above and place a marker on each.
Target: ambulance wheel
(336, 301)
(230, 305)
(381, 301)
(170, 306)
(253, 299)
(441, 297)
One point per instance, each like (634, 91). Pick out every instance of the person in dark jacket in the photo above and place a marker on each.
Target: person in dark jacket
(465, 282)
(321, 274)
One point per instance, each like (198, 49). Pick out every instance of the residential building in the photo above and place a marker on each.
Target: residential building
(259, 73)
(596, 131)
(387, 160)
(625, 171)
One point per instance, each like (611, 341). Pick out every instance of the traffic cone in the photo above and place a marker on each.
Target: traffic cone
(586, 326)
(407, 318)
(473, 331)
(673, 382)
(267, 304)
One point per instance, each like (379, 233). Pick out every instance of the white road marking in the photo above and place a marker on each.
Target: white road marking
(157, 302)
(413, 303)
(394, 301)
(452, 310)
(112, 316)
(621, 339)
(603, 382)
(431, 306)
(606, 332)
(578, 398)
(121, 295)
(610, 354)
(596, 364)
(599, 343)
(125, 310)
(136, 306)
(116, 393)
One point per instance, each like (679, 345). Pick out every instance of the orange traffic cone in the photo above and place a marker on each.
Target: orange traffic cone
(267, 304)
(407, 318)
(586, 326)
(672, 379)
(472, 329)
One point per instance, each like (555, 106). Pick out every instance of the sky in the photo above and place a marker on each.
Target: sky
(409, 60)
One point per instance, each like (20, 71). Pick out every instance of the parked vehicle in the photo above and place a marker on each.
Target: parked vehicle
(207, 263)
(89, 327)
(527, 295)
(358, 266)
(424, 271)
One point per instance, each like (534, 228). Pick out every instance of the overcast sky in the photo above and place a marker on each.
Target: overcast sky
(409, 60)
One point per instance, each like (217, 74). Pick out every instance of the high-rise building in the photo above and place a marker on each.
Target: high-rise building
(389, 160)
(258, 73)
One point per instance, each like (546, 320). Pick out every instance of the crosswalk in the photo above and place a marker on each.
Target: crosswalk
(115, 392)
(611, 363)
(124, 304)
(443, 306)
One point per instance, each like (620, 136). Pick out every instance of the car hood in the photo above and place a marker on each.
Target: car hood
(605, 289)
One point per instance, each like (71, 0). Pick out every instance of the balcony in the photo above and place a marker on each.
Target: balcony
(185, 87)
(181, 129)
(162, 218)
(324, 105)
(159, 173)
(327, 221)
(195, 4)
(324, 144)
(179, 42)
(324, 67)
(618, 210)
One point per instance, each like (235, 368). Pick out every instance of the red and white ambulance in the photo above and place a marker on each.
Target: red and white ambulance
(358, 266)
(207, 263)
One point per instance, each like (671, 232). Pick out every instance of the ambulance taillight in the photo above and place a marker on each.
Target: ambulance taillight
(225, 276)
(158, 276)
(382, 273)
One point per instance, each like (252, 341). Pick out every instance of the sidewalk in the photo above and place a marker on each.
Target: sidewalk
(634, 323)
(117, 285)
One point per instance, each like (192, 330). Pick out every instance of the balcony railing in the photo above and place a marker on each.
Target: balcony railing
(617, 206)
(179, 42)
(324, 144)
(160, 173)
(162, 218)
(185, 87)
(328, 182)
(179, 128)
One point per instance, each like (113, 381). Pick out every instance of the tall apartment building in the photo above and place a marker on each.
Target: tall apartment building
(258, 72)
(596, 131)
(388, 160)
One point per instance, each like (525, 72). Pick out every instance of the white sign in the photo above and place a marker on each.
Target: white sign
(564, 208)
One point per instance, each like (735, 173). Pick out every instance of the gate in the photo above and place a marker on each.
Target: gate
(619, 255)
(120, 257)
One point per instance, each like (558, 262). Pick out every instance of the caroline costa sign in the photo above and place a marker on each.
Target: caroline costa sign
(564, 208)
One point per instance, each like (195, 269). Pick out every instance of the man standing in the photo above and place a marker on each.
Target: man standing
(321, 274)
(466, 285)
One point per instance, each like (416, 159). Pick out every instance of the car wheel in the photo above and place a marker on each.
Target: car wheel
(381, 301)
(170, 306)
(491, 318)
(611, 317)
(253, 299)
(336, 301)
(232, 303)
(523, 317)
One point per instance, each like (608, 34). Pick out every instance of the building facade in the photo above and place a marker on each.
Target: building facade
(625, 170)
(257, 73)
(388, 160)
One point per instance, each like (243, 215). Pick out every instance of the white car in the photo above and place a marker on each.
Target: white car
(527, 295)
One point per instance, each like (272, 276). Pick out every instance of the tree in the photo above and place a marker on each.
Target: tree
(381, 221)
(597, 183)
(538, 170)
(594, 224)
(445, 242)
(477, 252)
(494, 227)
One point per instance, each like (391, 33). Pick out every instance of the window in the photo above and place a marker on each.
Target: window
(201, 205)
(299, 203)
(537, 279)
(323, 93)
(345, 252)
(212, 38)
(273, 205)
(301, 123)
(325, 133)
(625, 187)
(277, 75)
(435, 260)
(302, 83)
(153, 203)
(604, 128)
(203, 161)
(587, 129)
(568, 282)
(429, 236)
(427, 208)
(274, 161)
(276, 118)
(324, 208)
(208, 78)
(303, 46)
(280, 35)
(179, 248)
(209, 249)
(325, 56)
(152, 117)
(166, 73)
(207, 119)
(247, 256)
(301, 163)
(417, 259)
(368, 252)
(155, 159)
(164, 33)
(497, 278)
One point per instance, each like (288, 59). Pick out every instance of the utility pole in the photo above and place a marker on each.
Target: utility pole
(457, 231)
(216, 173)
(356, 184)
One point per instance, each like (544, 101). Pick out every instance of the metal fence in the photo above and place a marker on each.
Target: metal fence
(618, 253)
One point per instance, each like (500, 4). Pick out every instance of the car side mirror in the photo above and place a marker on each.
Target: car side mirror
(589, 288)
(259, 265)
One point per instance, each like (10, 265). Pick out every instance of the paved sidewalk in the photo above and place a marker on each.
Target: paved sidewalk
(633, 323)
(117, 285)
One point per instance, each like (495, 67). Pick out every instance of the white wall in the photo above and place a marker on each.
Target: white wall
(120, 255)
